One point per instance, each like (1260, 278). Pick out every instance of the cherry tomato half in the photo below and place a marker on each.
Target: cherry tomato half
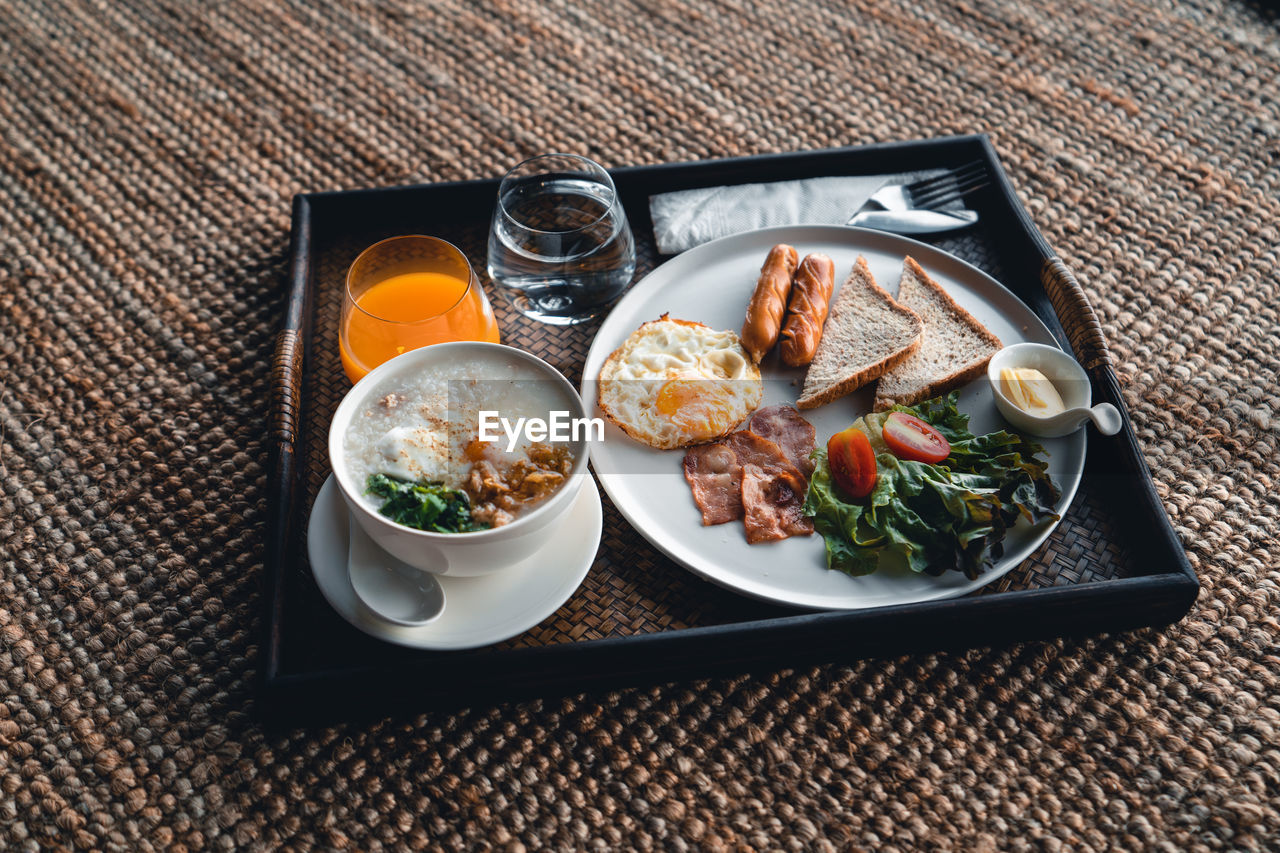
(852, 462)
(911, 438)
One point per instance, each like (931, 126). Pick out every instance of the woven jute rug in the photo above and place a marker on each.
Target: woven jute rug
(148, 154)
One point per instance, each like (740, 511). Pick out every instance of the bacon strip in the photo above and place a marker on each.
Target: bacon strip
(773, 502)
(788, 429)
(749, 477)
(715, 477)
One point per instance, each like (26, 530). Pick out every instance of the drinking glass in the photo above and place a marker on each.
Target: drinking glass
(409, 292)
(560, 248)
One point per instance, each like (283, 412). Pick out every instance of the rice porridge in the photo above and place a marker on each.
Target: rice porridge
(426, 429)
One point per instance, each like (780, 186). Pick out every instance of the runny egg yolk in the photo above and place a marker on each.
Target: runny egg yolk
(702, 407)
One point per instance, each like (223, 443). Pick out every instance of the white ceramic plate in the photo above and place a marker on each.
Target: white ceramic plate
(478, 611)
(712, 284)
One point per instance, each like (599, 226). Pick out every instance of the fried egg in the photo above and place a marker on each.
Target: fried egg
(675, 383)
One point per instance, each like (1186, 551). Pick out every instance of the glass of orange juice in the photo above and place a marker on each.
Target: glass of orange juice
(409, 292)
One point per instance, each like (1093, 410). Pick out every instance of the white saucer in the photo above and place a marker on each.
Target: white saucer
(479, 611)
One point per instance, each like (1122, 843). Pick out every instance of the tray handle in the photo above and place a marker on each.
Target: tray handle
(1076, 314)
(286, 367)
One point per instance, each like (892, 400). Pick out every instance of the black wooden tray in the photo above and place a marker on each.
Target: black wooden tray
(1113, 564)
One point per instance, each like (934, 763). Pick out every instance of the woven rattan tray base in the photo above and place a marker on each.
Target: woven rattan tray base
(632, 589)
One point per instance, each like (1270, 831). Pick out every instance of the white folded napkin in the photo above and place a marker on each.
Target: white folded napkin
(688, 218)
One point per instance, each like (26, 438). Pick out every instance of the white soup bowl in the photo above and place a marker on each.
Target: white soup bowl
(459, 554)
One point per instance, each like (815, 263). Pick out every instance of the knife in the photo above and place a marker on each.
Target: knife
(915, 221)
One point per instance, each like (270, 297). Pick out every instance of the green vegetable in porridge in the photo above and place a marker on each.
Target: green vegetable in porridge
(433, 507)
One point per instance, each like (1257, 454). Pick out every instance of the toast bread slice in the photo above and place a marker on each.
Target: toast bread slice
(955, 350)
(867, 334)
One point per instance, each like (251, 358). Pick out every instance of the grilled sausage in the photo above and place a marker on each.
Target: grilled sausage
(810, 294)
(769, 302)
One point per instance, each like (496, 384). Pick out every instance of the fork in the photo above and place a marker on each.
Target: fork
(914, 208)
(932, 193)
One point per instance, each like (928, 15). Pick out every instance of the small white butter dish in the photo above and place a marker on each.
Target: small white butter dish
(1071, 382)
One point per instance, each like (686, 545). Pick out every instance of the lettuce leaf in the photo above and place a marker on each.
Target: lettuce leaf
(952, 516)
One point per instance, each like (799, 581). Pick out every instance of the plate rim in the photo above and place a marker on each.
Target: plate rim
(596, 354)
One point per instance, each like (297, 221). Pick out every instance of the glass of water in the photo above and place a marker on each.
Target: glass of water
(560, 247)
